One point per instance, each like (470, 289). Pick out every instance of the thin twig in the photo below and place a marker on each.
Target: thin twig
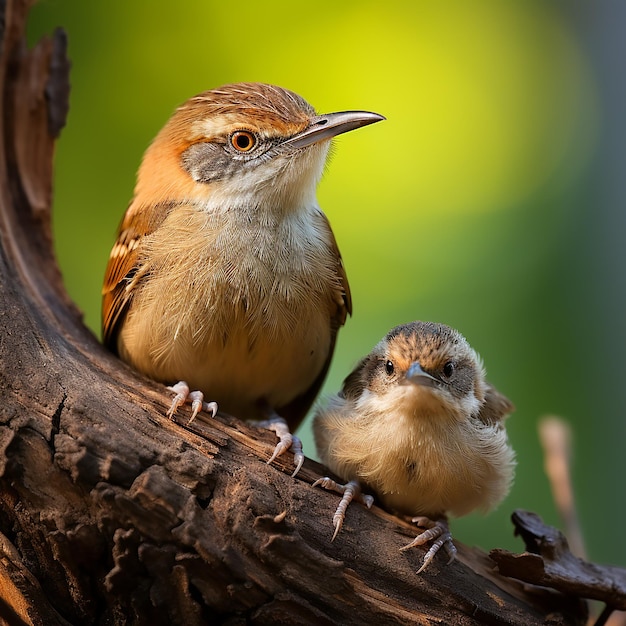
(556, 439)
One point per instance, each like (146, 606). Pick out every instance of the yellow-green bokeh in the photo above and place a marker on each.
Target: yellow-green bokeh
(464, 207)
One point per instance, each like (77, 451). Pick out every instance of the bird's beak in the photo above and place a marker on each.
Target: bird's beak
(330, 125)
(416, 375)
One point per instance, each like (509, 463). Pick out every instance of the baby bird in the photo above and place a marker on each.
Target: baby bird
(417, 424)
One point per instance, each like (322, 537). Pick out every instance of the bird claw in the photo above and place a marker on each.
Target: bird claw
(350, 491)
(286, 441)
(195, 398)
(210, 407)
(436, 531)
(181, 389)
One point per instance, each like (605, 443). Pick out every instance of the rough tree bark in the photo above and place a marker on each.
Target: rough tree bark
(110, 513)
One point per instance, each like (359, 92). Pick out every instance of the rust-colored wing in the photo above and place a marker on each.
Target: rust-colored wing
(126, 267)
(496, 407)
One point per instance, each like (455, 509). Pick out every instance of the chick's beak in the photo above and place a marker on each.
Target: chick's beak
(416, 375)
(330, 125)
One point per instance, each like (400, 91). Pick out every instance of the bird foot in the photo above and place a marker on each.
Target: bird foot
(436, 531)
(195, 398)
(286, 441)
(350, 491)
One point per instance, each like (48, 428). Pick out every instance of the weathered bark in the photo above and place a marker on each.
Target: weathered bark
(548, 562)
(111, 513)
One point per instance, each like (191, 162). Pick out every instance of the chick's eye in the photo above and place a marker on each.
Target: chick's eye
(389, 368)
(448, 369)
(242, 141)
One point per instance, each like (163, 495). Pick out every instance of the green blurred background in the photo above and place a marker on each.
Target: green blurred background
(492, 199)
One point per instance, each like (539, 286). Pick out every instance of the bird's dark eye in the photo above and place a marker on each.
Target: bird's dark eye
(242, 141)
(448, 369)
(389, 368)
